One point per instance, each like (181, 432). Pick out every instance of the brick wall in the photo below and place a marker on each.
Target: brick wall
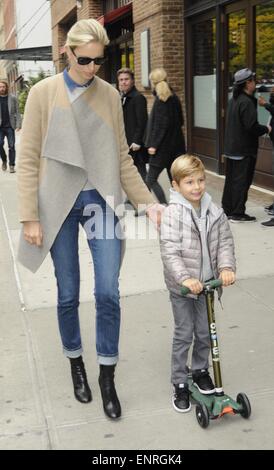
(62, 11)
(164, 18)
(9, 24)
(91, 9)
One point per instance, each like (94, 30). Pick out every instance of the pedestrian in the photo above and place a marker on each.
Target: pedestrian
(10, 120)
(242, 134)
(196, 246)
(4, 159)
(135, 118)
(74, 167)
(164, 135)
(269, 107)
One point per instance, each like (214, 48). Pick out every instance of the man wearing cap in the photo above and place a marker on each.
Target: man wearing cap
(242, 134)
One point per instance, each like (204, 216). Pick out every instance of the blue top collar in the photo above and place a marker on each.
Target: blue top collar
(71, 84)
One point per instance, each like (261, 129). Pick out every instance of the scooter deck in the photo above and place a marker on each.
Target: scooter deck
(217, 405)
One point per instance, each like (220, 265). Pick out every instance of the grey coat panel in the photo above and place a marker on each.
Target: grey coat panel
(181, 248)
(15, 116)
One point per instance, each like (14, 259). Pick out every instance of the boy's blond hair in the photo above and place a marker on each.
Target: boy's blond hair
(184, 166)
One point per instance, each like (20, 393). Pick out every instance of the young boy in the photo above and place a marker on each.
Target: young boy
(196, 246)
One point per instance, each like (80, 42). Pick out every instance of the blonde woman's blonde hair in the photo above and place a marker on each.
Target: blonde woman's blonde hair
(158, 79)
(85, 31)
(184, 166)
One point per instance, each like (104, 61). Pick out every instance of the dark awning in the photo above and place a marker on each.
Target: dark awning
(30, 53)
(115, 15)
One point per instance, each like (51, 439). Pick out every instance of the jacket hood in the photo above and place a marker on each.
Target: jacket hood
(178, 198)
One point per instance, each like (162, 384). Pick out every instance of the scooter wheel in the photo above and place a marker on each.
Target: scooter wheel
(202, 415)
(244, 402)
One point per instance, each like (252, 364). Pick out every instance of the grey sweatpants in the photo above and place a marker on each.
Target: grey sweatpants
(190, 319)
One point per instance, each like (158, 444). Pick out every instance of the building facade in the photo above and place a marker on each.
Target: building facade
(9, 37)
(33, 30)
(3, 75)
(200, 43)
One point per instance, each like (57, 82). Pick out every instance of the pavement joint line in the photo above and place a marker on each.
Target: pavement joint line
(136, 414)
(15, 269)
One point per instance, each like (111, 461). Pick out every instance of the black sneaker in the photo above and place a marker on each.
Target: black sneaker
(268, 223)
(180, 398)
(241, 218)
(202, 380)
(4, 166)
(269, 208)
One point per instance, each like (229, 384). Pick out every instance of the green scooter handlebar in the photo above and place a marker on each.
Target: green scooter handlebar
(214, 284)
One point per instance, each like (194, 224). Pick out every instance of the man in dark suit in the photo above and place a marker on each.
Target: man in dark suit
(10, 120)
(135, 118)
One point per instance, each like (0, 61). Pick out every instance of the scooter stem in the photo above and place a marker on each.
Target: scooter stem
(209, 293)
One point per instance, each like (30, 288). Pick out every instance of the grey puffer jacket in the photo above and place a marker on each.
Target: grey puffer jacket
(181, 241)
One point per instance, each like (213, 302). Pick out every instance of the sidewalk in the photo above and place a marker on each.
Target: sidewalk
(38, 410)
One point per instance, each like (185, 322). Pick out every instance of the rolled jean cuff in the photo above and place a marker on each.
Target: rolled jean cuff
(73, 354)
(107, 360)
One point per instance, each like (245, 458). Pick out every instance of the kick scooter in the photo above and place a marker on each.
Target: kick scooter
(217, 404)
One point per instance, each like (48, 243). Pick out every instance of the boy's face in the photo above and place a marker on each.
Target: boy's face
(191, 187)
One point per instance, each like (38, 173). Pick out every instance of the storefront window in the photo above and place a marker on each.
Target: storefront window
(265, 53)
(236, 43)
(126, 55)
(204, 74)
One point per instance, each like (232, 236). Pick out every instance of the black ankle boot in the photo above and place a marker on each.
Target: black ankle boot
(111, 403)
(82, 391)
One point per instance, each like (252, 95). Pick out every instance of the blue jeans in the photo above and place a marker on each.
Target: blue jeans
(106, 254)
(10, 134)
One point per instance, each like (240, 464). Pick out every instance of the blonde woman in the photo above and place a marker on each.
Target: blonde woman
(74, 164)
(164, 137)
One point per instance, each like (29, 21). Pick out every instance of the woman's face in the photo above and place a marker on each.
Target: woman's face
(83, 73)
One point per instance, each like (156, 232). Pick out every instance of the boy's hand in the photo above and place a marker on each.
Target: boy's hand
(194, 285)
(227, 277)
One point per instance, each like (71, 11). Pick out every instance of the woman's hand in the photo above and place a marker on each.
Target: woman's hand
(33, 233)
(227, 277)
(194, 285)
(151, 150)
(154, 213)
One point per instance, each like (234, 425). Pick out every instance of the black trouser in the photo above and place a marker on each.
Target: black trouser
(3, 154)
(140, 164)
(239, 176)
(152, 183)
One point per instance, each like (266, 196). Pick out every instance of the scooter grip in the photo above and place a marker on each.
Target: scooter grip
(215, 283)
(185, 290)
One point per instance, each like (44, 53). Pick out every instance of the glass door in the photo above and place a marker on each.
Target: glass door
(249, 42)
(202, 83)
